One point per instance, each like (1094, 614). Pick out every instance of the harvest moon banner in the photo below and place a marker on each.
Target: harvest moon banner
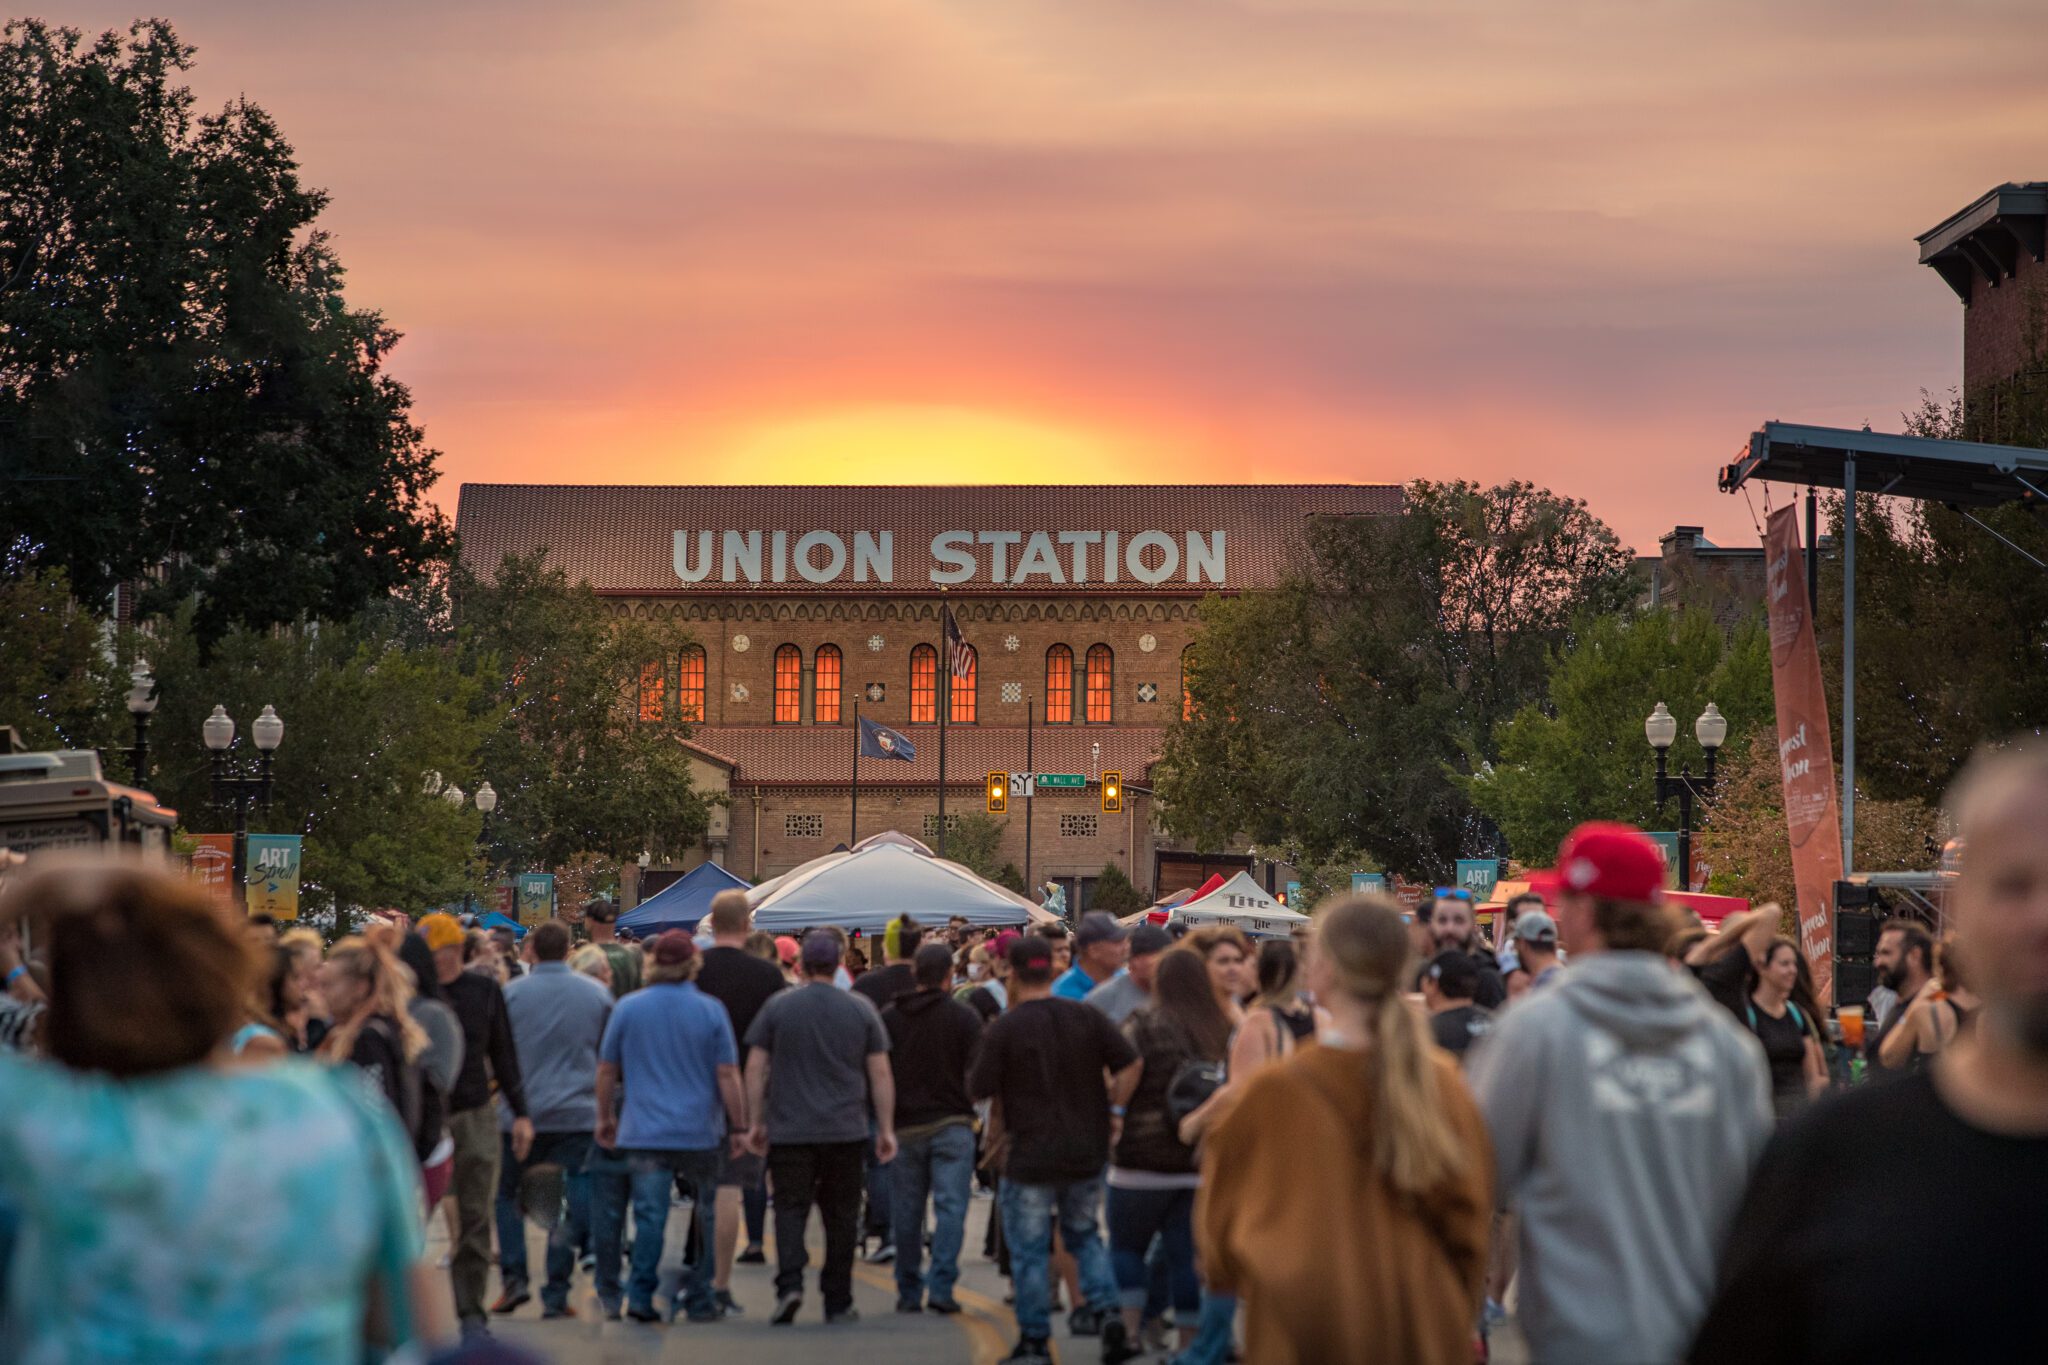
(1805, 749)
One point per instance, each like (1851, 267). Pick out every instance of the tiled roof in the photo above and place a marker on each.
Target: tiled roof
(815, 755)
(622, 538)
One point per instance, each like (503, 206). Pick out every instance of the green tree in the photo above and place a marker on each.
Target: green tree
(186, 400)
(1115, 893)
(975, 842)
(576, 770)
(1334, 711)
(1580, 753)
(58, 687)
(1011, 878)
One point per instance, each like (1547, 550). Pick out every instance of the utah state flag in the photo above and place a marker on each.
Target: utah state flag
(879, 741)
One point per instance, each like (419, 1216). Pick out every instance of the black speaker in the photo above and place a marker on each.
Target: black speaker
(1855, 933)
(1853, 982)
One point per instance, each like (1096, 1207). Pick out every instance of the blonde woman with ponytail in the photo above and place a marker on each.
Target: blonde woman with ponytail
(1347, 1195)
(369, 993)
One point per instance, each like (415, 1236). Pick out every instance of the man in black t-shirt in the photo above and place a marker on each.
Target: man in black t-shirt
(890, 977)
(1043, 1063)
(742, 983)
(1448, 981)
(1954, 1159)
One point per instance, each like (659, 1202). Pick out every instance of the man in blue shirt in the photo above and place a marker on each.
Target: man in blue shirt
(672, 1045)
(1100, 948)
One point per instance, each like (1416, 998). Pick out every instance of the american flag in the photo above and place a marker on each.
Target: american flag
(959, 658)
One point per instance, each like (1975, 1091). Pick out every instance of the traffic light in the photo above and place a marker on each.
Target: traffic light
(1112, 793)
(998, 793)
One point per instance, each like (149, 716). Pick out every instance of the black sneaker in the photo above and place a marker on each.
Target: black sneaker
(1085, 1322)
(726, 1305)
(1031, 1348)
(787, 1306)
(1116, 1343)
(752, 1256)
(909, 1306)
(648, 1314)
(843, 1316)
(946, 1307)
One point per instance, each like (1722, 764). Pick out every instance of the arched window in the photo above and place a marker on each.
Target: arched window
(1187, 698)
(1101, 683)
(963, 685)
(653, 687)
(825, 685)
(690, 684)
(789, 685)
(1059, 686)
(924, 686)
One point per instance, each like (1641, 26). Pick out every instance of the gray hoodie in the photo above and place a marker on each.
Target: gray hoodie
(1627, 1109)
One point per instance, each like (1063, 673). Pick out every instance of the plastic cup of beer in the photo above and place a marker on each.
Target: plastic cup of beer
(1851, 1017)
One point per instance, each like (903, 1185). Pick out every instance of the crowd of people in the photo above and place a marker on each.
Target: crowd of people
(1651, 1139)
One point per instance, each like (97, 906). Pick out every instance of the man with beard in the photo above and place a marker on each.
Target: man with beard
(1955, 1157)
(1453, 926)
(1904, 961)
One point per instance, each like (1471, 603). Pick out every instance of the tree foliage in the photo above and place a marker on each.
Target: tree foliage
(1334, 711)
(1580, 754)
(58, 686)
(974, 840)
(186, 399)
(1115, 894)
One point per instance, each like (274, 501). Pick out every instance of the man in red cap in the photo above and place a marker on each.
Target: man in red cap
(1626, 1110)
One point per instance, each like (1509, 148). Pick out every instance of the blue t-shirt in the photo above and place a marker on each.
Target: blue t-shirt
(1074, 984)
(668, 1041)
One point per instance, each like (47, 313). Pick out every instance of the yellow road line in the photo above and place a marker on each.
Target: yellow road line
(986, 1322)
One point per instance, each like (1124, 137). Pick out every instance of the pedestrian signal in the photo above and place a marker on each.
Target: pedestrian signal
(998, 793)
(1112, 793)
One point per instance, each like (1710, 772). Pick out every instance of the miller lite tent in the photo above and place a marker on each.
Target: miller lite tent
(1243, 902)
(865, 888)
(681, 903)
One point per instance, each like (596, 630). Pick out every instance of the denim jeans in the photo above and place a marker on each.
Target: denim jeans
(654, 1175)
(943, 1163)
(829, 1175)
(570, 1151)
(1027, 1227)
(1216, 1334)
(611, 1189)
(878, 1220)
(1135, 1218)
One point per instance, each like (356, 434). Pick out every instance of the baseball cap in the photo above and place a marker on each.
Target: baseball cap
(673, 948)
(1099, 926)
(440, 930)
(1031, 953)
(1612, 861)
(786, 949)
(1149, 938)
(821, 949)
(1536, 926)
(1455, 974)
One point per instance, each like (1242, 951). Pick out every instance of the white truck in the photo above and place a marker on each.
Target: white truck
(60, 799)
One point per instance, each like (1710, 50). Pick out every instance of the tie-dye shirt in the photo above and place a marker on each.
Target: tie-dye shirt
(225, 1216)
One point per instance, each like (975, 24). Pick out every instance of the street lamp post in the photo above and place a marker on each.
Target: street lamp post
(238, 784)
(486, 802)
(141, 702)
(1661, 729)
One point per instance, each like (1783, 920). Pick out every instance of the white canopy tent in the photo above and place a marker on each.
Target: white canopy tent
(867, 886)
(1244, 903)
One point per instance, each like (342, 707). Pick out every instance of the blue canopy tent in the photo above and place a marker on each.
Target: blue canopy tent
(681, 903)
(495, 920)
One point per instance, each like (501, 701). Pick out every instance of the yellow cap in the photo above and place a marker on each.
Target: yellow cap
(440, 930)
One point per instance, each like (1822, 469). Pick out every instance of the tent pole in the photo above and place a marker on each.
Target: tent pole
(945, 705)
(1848, 665)
(853, 828)
(1030, 790)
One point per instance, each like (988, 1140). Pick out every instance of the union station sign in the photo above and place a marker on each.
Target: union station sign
(1014, 558)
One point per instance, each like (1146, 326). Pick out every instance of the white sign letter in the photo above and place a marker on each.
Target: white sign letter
(835, 557)
(742, 556)
(958, 558)
(877, 552)
(1134, 556)
(1001, 541)
(1038, 558)
(1080, 540)
(1205, 559)
(685, 570)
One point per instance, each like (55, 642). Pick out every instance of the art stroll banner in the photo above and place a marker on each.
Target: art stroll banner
(1806, 761)
(273, 874)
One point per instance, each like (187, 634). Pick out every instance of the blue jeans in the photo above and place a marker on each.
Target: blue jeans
(942, 1162)
(1216, 1334)
(878, 1220)
(611, 1188)
(654, 1175)
(570, 1151)
(1135, 1218)
(1027, 1229)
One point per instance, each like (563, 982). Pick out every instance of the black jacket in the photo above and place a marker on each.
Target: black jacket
(932, 1041)
(479, 1002)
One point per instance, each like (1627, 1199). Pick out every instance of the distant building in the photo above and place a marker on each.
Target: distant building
(1690, 572)
(1990, 252)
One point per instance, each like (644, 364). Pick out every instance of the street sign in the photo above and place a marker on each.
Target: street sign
(1062, 780)
(1022, 785)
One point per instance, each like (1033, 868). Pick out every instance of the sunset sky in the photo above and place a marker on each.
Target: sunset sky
(1590, 244)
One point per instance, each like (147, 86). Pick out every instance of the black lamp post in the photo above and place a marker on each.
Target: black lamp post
(141, 702)
(486, 802)
(1661, 729)
(237, 784)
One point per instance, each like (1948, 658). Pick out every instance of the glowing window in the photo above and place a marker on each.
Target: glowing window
(924, 686)
(963, 688)
(690, 684)
(1187, 698)
(789, 685)
(653, 684)
(1101, 683)
(825, 685)
(1059, 686)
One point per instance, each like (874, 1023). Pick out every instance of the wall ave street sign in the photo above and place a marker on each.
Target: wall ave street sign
(1062, 780)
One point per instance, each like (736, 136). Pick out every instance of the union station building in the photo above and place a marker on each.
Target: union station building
(807, 606)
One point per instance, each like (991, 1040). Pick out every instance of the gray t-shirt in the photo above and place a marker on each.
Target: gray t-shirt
(818, 1039)
(1119, 997)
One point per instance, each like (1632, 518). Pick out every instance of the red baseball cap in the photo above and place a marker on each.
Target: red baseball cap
(1613, 861)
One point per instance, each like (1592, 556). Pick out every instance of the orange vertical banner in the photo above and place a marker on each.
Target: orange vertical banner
(1806, 759)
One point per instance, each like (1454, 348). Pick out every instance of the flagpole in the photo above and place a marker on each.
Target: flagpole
(853, 830)
(1030, 789)
(945, 662)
